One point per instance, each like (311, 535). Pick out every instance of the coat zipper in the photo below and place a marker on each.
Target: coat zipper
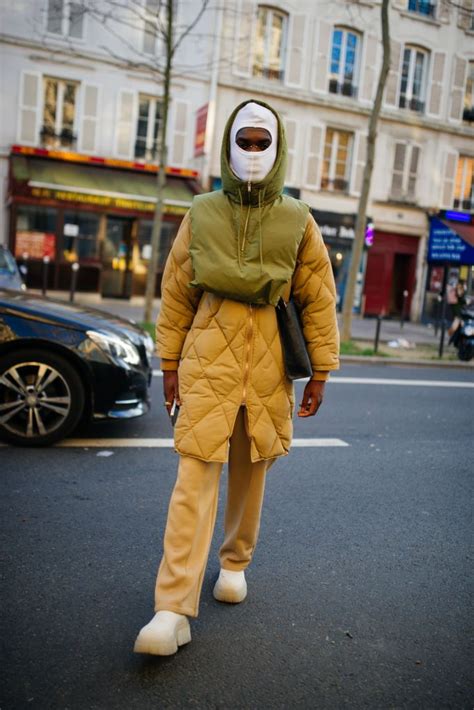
(249, 189)
(247, 359)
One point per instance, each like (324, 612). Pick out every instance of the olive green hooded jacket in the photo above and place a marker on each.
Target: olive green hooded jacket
(227, 350)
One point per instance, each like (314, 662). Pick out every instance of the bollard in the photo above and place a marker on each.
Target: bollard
(24, 267)
(438, 311)
(75, 269)
(45, 274)
(377, 333)
(404, 307)
(443, 324)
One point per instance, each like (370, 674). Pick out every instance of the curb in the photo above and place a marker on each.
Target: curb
(374, 360)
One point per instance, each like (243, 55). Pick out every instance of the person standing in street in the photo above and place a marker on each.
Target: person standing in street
(238, 251)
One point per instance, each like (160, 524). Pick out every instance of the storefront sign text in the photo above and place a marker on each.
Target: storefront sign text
(447, 246)
(104, 201)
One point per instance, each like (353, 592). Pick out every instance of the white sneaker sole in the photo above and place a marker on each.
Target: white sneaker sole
(228, 594)
(148, 643)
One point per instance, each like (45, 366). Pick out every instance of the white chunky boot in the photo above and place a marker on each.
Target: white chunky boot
(163, 635)
(230, 587)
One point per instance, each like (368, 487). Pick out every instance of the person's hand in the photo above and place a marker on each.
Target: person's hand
(312, 398)
(171, 388)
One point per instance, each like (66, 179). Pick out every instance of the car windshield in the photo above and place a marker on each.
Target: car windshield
(7, 262)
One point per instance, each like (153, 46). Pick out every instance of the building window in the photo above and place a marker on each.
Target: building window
(80, 240)
(270, 43)
(66, 18)
(422, 7)
(146, 142)
(463, 187)
(344, 62)
(59, 114)
(413, 84)
(150, 32)
(405, 169)
(468, 112)
(337, 160)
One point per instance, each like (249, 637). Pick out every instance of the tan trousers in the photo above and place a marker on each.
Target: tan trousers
(191, 519)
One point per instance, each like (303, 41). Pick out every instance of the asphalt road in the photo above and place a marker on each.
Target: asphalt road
(359, 593)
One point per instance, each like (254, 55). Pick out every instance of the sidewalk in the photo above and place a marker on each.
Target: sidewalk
(362, 328)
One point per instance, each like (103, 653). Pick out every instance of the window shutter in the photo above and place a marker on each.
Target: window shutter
(391, 89)
(291, 130)
(244, 29)
(465, 11)
(448, 179)
(29, 104)
(398, 170)
(321, 57)
(296, 51)
(368, 78)
(178, 154)
(359, 161)
(413, 173)
(125, 124)
(442, 11)
(314, 148)
(458, 84)
(438, 63)
(89, 118)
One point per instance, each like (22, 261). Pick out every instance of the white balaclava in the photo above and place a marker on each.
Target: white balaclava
(248, 165)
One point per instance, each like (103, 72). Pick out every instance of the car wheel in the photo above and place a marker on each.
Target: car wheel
(41, 398)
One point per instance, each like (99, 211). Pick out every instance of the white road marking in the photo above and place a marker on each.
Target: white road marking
(384, 381)
(169, 443)
(400, 383)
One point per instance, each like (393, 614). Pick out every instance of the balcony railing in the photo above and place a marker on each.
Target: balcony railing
(413, 104)
(468, 114)
(336, 185)
(422, 7)
(345, 88)
(50, 139)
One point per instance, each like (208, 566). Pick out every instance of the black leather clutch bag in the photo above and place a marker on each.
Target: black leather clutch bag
(295, 354)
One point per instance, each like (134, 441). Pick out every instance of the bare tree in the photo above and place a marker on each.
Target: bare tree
(158, 18)
(358, 244)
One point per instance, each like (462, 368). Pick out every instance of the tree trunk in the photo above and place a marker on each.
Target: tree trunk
(358, 244)
(161, 176)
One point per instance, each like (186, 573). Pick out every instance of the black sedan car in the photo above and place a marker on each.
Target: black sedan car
(61, 363)
(10, 276)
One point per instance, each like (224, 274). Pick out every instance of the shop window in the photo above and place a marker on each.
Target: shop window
(148, 124)
(422, 7)
(150, 32)
(80, 236)
(337, 160)
(59, 113)
(413, 83)
(405, 170)
(66, 18)
(468, 112)
(270, 43)
(463, 186)
(344, 62)
(35, 233)
(168, 233)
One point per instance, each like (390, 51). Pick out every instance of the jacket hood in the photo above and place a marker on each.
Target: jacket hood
(265, 191)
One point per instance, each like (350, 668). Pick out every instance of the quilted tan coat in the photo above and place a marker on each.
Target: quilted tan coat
(228, 353)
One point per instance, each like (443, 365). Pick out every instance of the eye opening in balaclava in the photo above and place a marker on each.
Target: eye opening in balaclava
(253, 165)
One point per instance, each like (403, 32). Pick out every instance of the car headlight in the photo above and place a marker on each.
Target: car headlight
(115, 346)
(149, 346)
(469, 330)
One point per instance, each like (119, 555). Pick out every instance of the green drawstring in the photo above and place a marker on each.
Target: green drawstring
(260, 230)
(238, 230)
